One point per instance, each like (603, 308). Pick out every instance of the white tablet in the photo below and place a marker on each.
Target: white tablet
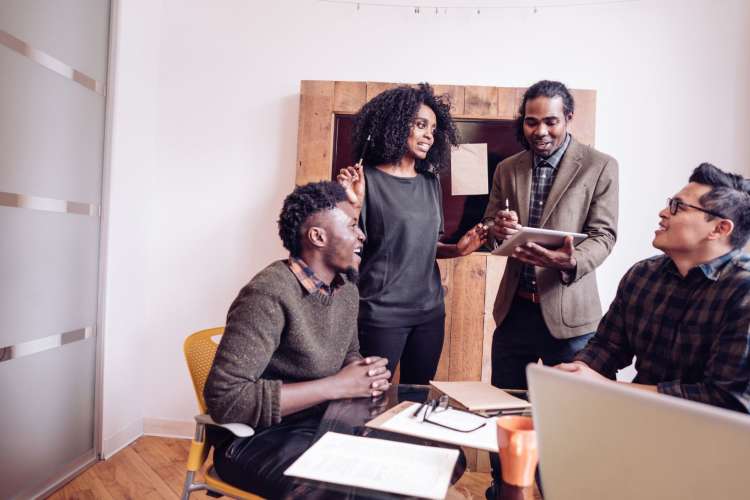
(548, 238)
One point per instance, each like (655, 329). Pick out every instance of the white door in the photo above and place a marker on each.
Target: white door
(53, 70)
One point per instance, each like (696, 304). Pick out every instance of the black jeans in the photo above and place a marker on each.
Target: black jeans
(257, 463)
(418, 348)
(523, 338)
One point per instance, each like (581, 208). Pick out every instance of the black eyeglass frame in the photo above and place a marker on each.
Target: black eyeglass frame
(442, 404)
(674, 206)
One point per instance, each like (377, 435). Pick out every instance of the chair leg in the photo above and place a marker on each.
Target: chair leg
(186, 490)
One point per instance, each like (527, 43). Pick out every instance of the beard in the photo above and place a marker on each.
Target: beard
(352, 275)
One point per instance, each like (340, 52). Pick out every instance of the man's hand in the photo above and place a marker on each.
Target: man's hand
(352, 179)
(505, 225)
(581, 369)
(561, 258)
(367, 377)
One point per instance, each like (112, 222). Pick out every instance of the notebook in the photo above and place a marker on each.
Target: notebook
(480, 396)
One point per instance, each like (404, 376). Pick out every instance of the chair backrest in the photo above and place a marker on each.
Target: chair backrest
(200, 350)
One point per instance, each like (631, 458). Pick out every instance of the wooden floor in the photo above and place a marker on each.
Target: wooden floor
(154, 468)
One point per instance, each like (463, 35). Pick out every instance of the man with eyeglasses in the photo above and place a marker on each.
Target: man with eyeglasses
(685, 315)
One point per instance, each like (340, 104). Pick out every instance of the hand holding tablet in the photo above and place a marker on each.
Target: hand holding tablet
(547, 238)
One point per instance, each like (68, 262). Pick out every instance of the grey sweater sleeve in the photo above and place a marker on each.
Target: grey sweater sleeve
(235, 391)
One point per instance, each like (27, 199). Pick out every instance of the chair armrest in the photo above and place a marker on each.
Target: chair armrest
(239, 430)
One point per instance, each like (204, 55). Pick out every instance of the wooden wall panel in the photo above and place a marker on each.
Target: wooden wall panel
(467, 324)
(446, 277)
(583, 126)
(375, 88)
(495, 270)
(315, 136)
(480, 102)
(456, 94)
(507, 103)
(348, 97)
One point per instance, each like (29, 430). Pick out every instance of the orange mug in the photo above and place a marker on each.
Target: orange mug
(519, 454)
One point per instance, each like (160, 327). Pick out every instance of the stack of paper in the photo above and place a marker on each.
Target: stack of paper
(480, 396)
(377, 464)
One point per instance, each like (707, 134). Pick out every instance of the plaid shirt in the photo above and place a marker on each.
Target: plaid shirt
(543, 175)
(309, 281)
(690, 336)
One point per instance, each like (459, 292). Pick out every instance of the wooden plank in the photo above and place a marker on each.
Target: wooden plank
(583, 126)
(456, 95)
(446, 277)
(480, 102)
(375, 88)
(127, 476)
(495, 269)
(348, 97)
(507, 103)
(467, 324)
(471, 458)
(166, 459)
(85, 486)
(483, 461)
(465, 309)
(315, 137)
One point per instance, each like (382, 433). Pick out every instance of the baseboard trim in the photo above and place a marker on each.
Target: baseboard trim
(121, 439)
(163, 427)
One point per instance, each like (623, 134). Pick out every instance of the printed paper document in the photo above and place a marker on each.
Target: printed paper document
(377, 464)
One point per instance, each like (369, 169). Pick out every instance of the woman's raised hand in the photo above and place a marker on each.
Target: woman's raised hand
(472, 240)
(353, 180)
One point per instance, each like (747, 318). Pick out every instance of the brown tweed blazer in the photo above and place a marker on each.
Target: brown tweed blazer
(583, 198)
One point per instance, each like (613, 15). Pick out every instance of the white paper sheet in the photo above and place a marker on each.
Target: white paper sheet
(377, 464)
(484, 438)
(469, 169)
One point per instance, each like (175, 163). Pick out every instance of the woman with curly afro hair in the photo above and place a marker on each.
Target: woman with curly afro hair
(403, 137)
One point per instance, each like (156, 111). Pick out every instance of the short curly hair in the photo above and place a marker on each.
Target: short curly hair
(300, 204)
(543, 88)
(388, 118)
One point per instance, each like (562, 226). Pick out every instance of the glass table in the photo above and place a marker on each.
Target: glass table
(349, 416)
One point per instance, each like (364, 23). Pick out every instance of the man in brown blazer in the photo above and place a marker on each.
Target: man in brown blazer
(548, 305)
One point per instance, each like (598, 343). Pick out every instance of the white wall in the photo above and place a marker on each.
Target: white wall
(134, 114)
(206, 129)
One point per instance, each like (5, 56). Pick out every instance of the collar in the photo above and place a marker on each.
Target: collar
(711, 270)
(554, 159)
(309, 281)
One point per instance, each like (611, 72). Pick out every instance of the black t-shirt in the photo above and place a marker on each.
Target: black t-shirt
(399, 277)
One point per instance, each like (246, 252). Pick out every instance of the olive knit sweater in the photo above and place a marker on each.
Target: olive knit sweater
(278, 332)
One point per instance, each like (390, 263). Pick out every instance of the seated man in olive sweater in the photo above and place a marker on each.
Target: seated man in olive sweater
(290, 343)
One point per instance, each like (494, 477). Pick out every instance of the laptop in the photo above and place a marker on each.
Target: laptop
(601, 440)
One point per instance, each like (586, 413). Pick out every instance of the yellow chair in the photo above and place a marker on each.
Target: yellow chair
(200, 350)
